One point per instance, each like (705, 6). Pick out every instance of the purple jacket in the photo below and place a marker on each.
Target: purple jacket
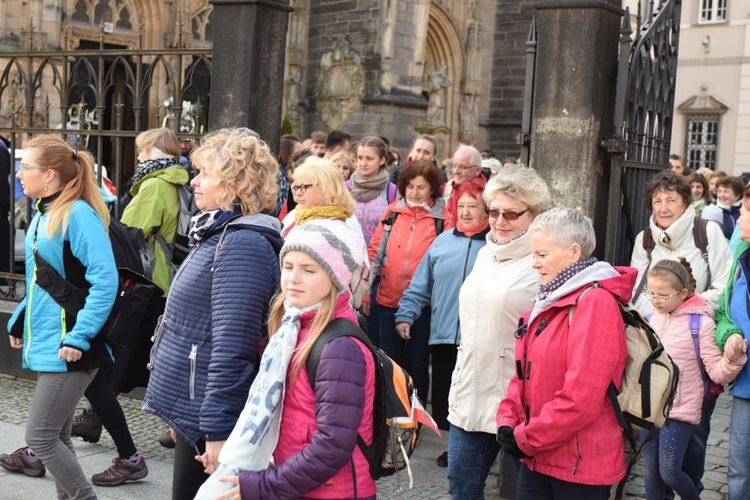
(318, 437)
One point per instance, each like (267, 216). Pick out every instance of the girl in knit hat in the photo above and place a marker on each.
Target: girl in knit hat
(314, 446)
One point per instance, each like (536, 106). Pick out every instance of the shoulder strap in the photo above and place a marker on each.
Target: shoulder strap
(700, 239)
(696, 320)
(339, 327)
(439, 226)
(383, 244)
(648, 245)
(392, 192)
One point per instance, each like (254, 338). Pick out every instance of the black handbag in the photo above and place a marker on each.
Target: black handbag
(134, 294)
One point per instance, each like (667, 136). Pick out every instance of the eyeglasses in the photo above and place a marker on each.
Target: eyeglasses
(301, 188)
(660, 298)
(462, 168)
(509, 216)
(25, 168)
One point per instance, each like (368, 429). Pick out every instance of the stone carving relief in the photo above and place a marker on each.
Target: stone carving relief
(438, 82)
(339, 84)
(469, 117)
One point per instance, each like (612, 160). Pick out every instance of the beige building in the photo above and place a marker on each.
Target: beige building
(712, 95)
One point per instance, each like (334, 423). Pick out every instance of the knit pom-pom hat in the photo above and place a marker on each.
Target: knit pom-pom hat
(332, 245)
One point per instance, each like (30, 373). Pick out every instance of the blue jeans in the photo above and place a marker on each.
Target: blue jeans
(738, 477)
(694, 462)
(663, 457)
(535, 486)
(470, 457)
(412, 355)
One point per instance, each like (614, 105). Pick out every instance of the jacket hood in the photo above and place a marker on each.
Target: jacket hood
(694, 305)
(619, 281)
(267, 226)
(436, 210)
(516, 249)
(176, 175)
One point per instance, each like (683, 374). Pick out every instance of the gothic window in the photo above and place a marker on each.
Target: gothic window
(203, 29)
(123, 21)
(102, 12)
(81, 13)
(702, 141)
(712, 11)
(120, 12)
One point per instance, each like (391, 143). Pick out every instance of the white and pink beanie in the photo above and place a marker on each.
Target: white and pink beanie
(330, 243)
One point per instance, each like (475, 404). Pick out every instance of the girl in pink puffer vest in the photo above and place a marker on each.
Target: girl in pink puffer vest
(679, 314)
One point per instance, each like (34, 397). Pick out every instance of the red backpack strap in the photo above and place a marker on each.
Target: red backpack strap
(648, 245)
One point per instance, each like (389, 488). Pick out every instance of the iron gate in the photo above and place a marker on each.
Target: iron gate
(643, 121)
(101, 98)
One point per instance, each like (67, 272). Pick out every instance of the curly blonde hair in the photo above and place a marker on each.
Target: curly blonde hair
(326, 175)
(243, 165)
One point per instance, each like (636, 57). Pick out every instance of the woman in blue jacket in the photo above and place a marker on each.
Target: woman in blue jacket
(437, 281)
(69, 233)
(205, 353)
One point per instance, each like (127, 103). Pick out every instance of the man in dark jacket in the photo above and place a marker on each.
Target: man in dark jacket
(424, 148)
(5, 180)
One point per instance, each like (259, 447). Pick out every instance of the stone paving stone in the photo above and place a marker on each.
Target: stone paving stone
(430, 481)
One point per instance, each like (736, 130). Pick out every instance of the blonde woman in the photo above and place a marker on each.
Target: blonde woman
(70, 233)
(206, 352)
(320, 193)
(343, 160)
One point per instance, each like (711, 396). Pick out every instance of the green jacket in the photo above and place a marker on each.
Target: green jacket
(724, 324)
(154, 209)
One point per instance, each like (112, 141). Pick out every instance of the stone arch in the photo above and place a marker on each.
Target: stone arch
(444, 48)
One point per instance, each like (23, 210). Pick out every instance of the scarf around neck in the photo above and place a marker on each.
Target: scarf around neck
(203, 223)
(146, 167)
(251, 444)
(302, 215)
(470, 231)
(563, 276)
(365, 189)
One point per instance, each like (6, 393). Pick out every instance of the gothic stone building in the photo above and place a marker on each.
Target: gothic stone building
(453, 68)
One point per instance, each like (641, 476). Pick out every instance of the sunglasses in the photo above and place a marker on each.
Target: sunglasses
(509, 216)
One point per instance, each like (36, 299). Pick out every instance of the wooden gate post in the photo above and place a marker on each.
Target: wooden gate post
(574, 99)
(247, 77)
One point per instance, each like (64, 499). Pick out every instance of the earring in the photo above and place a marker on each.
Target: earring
(45, 188)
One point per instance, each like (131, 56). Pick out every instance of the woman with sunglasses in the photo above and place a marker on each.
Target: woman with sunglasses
(501, 287)
(69, 232)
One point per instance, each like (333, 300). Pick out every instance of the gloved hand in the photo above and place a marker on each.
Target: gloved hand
(508, 442)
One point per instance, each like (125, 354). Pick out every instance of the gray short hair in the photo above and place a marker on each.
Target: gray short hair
(521, 184)
(567, 226)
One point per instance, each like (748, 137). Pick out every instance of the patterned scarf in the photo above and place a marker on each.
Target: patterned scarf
(365, 189)
(251, 444)
(148, 166)
(203, 223)
(302, 215)
(562, 277)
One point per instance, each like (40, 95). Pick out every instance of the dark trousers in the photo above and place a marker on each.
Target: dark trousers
(187, 473)
(373, 321)
(443, 362)
(535, 486)
(412, 355)
(107, 408)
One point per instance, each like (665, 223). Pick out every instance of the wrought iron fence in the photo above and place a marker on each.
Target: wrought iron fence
(643, 120)
(101, 98)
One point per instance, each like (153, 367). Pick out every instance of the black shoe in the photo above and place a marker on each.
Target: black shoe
(87, 426)
(121, 471)
(166, 439)
(442, 460)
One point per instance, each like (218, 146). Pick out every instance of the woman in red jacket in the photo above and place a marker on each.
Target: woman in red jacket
(556, 417)
(408, 228)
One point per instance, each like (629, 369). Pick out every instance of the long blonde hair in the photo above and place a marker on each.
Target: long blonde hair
(323, 316)
(75, 169)
(327, 176)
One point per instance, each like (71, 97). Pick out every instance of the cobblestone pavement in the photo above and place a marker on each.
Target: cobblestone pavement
(430, 481)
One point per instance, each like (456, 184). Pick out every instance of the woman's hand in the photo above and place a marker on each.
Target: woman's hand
(69, 354)
(210, 459)
(404, 330)
(365, 309)
(234, 493)
(15, 342)
(735, 347)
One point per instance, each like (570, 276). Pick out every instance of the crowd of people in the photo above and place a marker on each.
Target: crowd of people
(461, 271)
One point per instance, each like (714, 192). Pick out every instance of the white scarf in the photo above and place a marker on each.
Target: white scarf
(251, 444)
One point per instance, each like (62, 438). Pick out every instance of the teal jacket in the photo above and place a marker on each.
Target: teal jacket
(41, 322)
(154, 209)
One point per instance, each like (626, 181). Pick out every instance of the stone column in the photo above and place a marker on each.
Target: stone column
(574, 99)
(247, 77)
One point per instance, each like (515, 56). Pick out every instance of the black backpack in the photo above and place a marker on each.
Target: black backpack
(177, 251)
(393, 393)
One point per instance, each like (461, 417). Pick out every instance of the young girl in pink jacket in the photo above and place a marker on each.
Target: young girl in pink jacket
(685, 325)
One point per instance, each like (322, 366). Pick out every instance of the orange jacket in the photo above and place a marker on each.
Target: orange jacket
(412, 233)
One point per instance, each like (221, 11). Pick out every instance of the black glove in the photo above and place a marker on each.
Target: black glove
(508, 442)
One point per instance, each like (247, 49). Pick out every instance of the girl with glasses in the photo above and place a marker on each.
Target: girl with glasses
(684, 322)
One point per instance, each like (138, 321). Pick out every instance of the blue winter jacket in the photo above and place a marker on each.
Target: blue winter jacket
(438, 280)
(43, 324)
(206, 349)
